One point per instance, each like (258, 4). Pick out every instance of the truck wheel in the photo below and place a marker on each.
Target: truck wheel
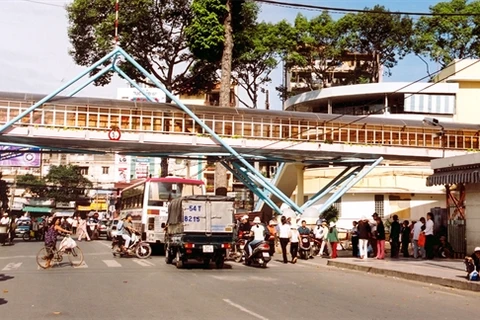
(168, 256)
(179, 261)
(220, 263)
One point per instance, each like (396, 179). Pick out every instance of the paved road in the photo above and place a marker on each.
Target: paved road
(110, 288)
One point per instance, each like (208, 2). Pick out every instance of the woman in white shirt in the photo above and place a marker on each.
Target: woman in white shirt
(284, 237)
(429, 240)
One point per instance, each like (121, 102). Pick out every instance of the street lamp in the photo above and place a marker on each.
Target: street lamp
(433, 122)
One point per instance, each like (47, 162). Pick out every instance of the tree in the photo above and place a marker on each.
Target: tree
(330, 215)
(384, 35)
(66, 183)
(211, 37)
(445, 38)
(152, 31)
(253, 67)
(33, 184)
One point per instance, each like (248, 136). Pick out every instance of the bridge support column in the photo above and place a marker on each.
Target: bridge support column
(300, 185)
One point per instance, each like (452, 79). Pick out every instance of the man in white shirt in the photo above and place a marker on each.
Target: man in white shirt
(5, 219)
(429, 240)
(417, 229)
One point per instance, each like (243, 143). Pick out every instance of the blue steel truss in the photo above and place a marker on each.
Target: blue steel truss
(240, 167)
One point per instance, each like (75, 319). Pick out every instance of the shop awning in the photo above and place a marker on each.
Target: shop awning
(454, 177)
(37, 209)
(64, 213)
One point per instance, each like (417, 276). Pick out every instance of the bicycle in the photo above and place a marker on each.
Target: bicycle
(75, 256)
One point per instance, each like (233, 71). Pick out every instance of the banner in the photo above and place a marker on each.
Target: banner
(19, 157)
(122, 164)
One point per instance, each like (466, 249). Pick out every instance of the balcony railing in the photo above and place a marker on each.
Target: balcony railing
(161, 119)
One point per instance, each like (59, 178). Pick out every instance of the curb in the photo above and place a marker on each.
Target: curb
(452, 283)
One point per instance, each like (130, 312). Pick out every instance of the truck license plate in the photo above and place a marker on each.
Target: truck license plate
(266, 254)
(208, 248)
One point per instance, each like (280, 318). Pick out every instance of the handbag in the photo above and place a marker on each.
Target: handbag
(421, 240)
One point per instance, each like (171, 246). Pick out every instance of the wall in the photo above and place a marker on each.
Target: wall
(467, 101)
(472, 207)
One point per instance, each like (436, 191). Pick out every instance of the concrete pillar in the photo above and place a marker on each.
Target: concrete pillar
(300, 183)
(329, 106)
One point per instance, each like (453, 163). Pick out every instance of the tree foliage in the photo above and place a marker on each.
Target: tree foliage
(152, 31)
(33, 184)
(386, 36)
(66, 183)
(330, 215)
(446, 38)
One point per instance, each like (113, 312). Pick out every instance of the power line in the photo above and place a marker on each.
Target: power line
(45, 3)
(346, 10)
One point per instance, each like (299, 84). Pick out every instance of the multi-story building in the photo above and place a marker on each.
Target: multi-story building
(396, 187)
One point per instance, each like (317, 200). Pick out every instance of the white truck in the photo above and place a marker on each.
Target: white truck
(199, 227)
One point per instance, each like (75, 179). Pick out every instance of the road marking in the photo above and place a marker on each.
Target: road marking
(12, 266)
(143, 263)
(112, 263)
(106, 245)
(256, 315)
(82, 266)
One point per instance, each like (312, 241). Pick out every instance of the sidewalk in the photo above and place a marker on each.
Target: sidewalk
(449, 273)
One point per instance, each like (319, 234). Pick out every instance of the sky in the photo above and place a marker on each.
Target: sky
(34, 46)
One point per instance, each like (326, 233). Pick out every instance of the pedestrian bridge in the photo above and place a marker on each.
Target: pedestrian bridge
(295, 139)
(155, 129)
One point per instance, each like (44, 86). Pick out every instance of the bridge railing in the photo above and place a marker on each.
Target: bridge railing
(161, 119)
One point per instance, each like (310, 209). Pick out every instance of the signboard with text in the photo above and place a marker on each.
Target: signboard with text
(19, 157)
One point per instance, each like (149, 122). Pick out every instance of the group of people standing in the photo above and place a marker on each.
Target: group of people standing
(369, 237)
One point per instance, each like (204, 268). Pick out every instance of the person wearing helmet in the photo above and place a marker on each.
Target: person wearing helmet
(244, 228)
(272, 230)
(258, 232)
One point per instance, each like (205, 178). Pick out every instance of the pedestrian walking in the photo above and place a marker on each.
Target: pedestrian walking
(294, 239)
(332, 239)
(324, 239)
(363, 230)
(380, 239)
(74, 225)
(284, 237)
(354, 233)
(429, 240)
(82, 230)
(405, 238)
(395, 230)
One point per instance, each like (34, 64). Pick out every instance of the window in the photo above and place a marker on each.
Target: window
(379, 204)
(83, 171)
(105, 170)
(338, 205)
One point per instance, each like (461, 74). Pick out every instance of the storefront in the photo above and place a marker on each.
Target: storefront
(461, 177)
(37, 207)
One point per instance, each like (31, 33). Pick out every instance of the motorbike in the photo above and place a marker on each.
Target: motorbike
(30, 235)
(317, 243)
(237, 253)
(304, 246)
(137, 248)
(260, 255)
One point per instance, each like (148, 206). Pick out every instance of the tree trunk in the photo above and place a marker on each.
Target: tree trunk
(164, 167)
(221, 181)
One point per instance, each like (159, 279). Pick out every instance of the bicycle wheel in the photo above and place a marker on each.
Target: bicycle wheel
(75, 256)
(41, 258)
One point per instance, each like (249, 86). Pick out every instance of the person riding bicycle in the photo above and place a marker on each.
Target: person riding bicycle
(51, 239)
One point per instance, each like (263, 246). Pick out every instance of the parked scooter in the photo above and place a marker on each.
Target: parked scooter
(304, 247)
(138, 248)
(317, 243)
(260, 255)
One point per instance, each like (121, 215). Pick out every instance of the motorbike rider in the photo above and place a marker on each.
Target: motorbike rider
(5, 220)
(258, 232)
(303, 230)
(128, 226)
(244, 228)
